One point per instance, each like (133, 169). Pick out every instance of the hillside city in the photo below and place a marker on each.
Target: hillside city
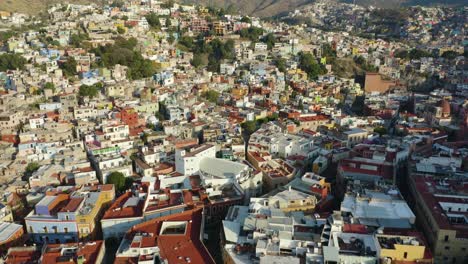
(145, 131)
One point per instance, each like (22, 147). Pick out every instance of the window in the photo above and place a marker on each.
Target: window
(65, 230)
(31, 229)
(405, 255)
(67, 217)
(447, 248)
(446, 238)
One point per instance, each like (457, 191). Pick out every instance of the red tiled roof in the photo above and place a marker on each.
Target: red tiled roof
(175, 248)
(116, 210)
(90, 252)
(23, 256)
(312, 118)
(72, 205)
(355, 228)
(426, 187)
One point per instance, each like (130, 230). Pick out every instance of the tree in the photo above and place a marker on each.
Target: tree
(120, 30)
(187, 42)
(270, 40)
(249, 127)
(171, 38)
(117, 3)
(168, 4)
(118, 179)
(359, 60)
(69, 67)
(6, 35)
(280, 63)
(153, 20)
(450, 54)
(252, 33)
(49, 86)
(11, 62)
(211, 95)
(416, 54)
(32, 167)
(123, 52)
(246, 19)
(90, 91)
(309, 64)
(380, 130)
(328, 51)
(76, 40)
(197, 60)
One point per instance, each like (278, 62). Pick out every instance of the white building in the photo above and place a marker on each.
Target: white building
(213, 170)
(188, 159)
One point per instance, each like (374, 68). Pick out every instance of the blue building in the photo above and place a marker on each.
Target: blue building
(53, 219)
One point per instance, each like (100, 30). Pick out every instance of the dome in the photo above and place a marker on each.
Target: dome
(153, 120)
(445, 105)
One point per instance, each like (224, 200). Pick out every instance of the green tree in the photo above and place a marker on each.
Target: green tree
(168, 4)
(418, 54)
(49, 86)
(171, 38)
(6, 35)
(76, 40)
(211, 95)
(450, 54)
(328, 51)
(309, 64)
(123, 52)
(118, 179)
(270, 40)
(187, 42)
(246, 19)
(11, 62)
(280, 63)
(153, 20)
(89, 91)
(249, 127)
(401, 53)
(32, 167)
(117, 3)
(359, 60)
(120, 30)
(197, 60)
(380, 130)
(69, 67)
(252, 33)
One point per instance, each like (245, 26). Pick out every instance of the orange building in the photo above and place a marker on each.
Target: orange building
(375, 83)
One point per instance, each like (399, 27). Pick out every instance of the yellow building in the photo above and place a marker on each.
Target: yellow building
(440, 211)
(298, 75)
(219, 28)
(394, 249)
(239, 92)
(291, 200)
(4, 14)
(96, 201)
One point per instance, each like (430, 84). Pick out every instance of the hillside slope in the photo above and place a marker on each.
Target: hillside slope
(34, 7)
(261, 8)
(269, 8)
